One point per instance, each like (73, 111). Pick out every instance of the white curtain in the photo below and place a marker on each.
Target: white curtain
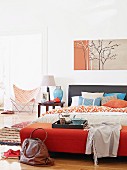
(22, 63)
(3, 58)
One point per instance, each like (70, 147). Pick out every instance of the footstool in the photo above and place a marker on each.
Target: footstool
(67, 140)
(58, 139)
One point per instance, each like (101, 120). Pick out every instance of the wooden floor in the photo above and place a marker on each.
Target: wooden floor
(62, 161)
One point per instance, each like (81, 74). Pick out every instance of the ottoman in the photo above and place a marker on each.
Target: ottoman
(67, 140)
(58, 139)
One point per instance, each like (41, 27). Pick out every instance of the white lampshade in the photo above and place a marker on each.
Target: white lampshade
(48, 80)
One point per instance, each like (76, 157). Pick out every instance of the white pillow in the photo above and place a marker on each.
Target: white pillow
(75, 100)
(91, 95)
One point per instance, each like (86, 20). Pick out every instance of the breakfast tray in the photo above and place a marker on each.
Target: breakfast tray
(68, 126)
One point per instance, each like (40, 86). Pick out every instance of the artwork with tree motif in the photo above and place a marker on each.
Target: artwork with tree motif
(100, 54)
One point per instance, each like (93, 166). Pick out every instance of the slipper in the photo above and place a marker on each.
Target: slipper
(11, 154)
(8, 112)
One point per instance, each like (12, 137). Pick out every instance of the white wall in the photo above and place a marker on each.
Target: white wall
(67, 21)
(85, 20)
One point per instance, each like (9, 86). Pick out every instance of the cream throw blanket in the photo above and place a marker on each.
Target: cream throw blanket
(103, 140)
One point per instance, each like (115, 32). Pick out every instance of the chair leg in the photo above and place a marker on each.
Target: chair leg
(17, 106)
(33, 107)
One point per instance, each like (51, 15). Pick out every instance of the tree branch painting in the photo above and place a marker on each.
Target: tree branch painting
(100, 54)
(82, 57)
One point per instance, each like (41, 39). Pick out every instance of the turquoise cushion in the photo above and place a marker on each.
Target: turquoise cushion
(80, 100)
(119, 95)
(92, 102)
(97, 101)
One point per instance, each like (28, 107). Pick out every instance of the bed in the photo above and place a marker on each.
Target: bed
(75, 90)
(74, 140)
(94, 114)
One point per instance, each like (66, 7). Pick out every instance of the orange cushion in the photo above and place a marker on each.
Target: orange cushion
(116, 103)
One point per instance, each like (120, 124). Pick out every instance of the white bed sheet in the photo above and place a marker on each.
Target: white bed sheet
(93, 118)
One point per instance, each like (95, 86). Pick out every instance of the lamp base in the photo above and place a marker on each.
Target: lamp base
(48, 90)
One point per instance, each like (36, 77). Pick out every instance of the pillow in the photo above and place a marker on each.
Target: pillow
(91, 95)
(107, 98)
(92, 102)
(116, 103)
(76, 100)
(119, 95)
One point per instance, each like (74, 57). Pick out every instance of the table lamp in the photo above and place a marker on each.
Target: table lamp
(48, 80)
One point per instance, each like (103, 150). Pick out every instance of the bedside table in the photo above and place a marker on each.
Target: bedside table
(47, 106)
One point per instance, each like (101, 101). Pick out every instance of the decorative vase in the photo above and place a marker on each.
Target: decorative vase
(58, 92)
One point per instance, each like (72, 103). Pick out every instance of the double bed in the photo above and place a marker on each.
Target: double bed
(75, 90)
(94, 114)
(74, 140)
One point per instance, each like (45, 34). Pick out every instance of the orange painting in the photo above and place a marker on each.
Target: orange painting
(100, 54)
(81, 55)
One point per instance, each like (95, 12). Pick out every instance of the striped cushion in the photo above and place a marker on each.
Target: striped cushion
(107, 98)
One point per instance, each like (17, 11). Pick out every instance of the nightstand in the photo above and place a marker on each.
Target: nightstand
(61, 104)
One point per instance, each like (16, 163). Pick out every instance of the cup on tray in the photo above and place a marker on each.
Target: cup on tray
(62, 120)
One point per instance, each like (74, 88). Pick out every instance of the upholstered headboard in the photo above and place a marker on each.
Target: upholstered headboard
(75, 90)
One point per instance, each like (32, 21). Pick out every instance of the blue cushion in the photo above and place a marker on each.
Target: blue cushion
(97, 101)
(92, 102)
(80, 100)
(119, 95)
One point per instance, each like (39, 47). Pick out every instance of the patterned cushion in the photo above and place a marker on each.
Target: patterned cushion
(92, 102)
(107, 98)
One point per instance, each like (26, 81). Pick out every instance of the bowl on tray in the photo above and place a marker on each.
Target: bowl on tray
(78, 121)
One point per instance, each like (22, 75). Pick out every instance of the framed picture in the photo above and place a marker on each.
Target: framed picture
(107, 54)
(45, 96)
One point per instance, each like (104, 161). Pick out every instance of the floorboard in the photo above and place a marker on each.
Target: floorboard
(62, 161)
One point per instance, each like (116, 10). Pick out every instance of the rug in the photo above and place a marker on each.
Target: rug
(11, 136)
(21, 125)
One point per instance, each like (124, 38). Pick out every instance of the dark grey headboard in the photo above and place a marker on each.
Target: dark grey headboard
(75, 90)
